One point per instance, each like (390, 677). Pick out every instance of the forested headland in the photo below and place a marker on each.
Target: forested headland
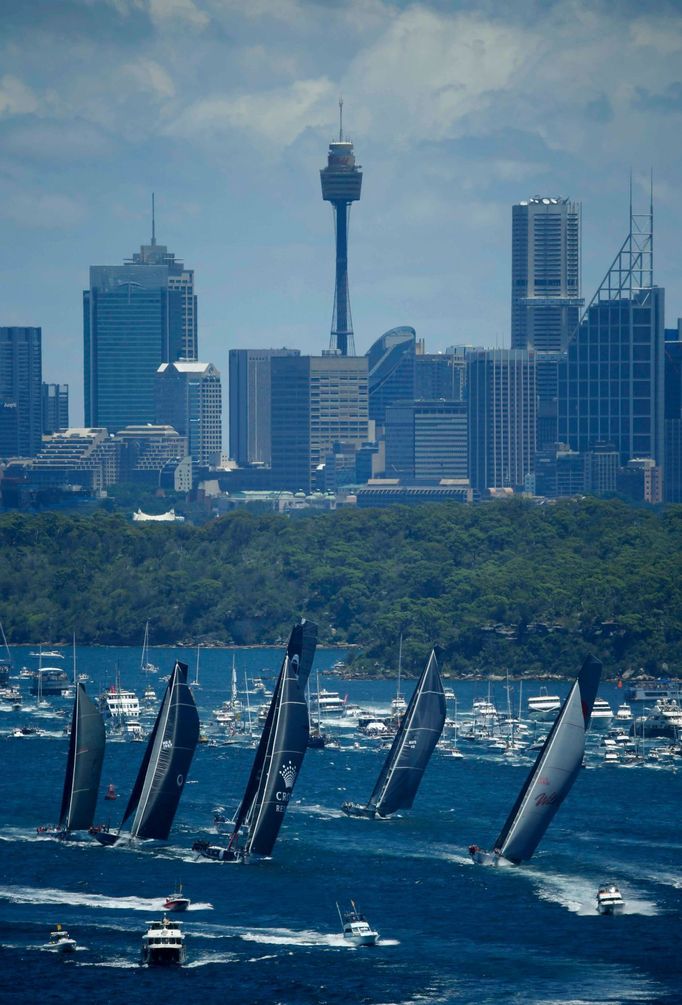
(502, 585)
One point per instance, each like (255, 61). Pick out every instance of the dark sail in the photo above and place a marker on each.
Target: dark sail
(170, 749)
(420, 730)
(84, 764)
(554, 771)
(281, 748)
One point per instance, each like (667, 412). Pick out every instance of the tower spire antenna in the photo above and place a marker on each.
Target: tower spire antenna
(153, 222)
(340, 120)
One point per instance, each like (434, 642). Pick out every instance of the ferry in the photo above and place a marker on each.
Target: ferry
(117, 703)
(163, 944)
(654, 690)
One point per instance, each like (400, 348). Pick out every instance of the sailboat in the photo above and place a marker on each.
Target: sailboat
(551, 777)
(146, 666)
(167, 759)
(278, 759)
(412, 747)
(83, 768)
(195, 682)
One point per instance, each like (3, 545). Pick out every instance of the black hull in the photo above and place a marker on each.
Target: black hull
(216, 853)
(105, 838)
(357, 810)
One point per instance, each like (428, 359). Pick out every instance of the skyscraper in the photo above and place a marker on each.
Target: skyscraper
(611, 378)
(135, 317)
(249, 404)
(317, 401)
(546, 298)
(188, 398)
(391, 363)
(501, 395)
(341, 184)
(427, 440)
(21, 390)
(55, 408)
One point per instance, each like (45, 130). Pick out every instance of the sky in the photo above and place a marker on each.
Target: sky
(225, 109)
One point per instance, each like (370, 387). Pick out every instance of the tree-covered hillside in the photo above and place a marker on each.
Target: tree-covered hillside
(508, 584)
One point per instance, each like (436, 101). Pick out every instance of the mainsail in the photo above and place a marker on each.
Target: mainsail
(554, 771)
(170, 749)
(279, 755)
(163, 771)
(419, 732)
(84, 764)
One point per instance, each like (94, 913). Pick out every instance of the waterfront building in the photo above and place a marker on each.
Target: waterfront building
(501, 393)
(249, 404)
(188, 398)
(391, 371)
(546, 301)
(611, 378)
(317, 401)
(20, 391)
(136, 316)
(55, 408)
(341, 182)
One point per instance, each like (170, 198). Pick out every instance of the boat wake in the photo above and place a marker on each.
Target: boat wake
(36, 895)
(211, 958)
(578, 894)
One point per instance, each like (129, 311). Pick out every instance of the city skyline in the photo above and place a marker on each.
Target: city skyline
(232, 147)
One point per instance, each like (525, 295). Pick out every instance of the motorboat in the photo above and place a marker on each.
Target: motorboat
(163, 944)
(609, 899)
(328, 702)
(176, 901)
(611, 756)
(111, 792)
(119, 704)
(623, 714)
(543, 706)
(61, 941)
(602, 714)
(665, 719)
(356, 929)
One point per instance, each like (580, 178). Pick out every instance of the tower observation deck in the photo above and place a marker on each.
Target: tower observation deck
(341, 183)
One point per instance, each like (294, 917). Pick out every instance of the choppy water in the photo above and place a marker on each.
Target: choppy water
(268, 932)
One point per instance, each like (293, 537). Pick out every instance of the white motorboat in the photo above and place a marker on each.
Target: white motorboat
(329, 702)
(624, 714)
(356, 928)
(602, 714)
(163, 944)
(61, 941)
(543, 706)
(119, 704)
(609, 899)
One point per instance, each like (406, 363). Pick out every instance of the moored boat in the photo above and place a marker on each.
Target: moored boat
(163, 944)
(609, 899)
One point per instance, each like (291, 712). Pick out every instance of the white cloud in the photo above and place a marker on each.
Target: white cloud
(277, 116)
(174, 12)
(151, 77)
(16, 98)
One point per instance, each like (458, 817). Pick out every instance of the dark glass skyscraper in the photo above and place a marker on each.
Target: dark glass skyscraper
(611, 378)
(21, 391)
(135, 317)
(341, 184)
(249, 403)
(55, 408)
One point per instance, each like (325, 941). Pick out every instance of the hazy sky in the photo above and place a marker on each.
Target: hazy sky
(225, 109)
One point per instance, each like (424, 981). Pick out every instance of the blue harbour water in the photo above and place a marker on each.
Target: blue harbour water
(268, 932)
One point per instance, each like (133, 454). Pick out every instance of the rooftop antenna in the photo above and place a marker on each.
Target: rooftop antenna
(340, 120)
(153, 223)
